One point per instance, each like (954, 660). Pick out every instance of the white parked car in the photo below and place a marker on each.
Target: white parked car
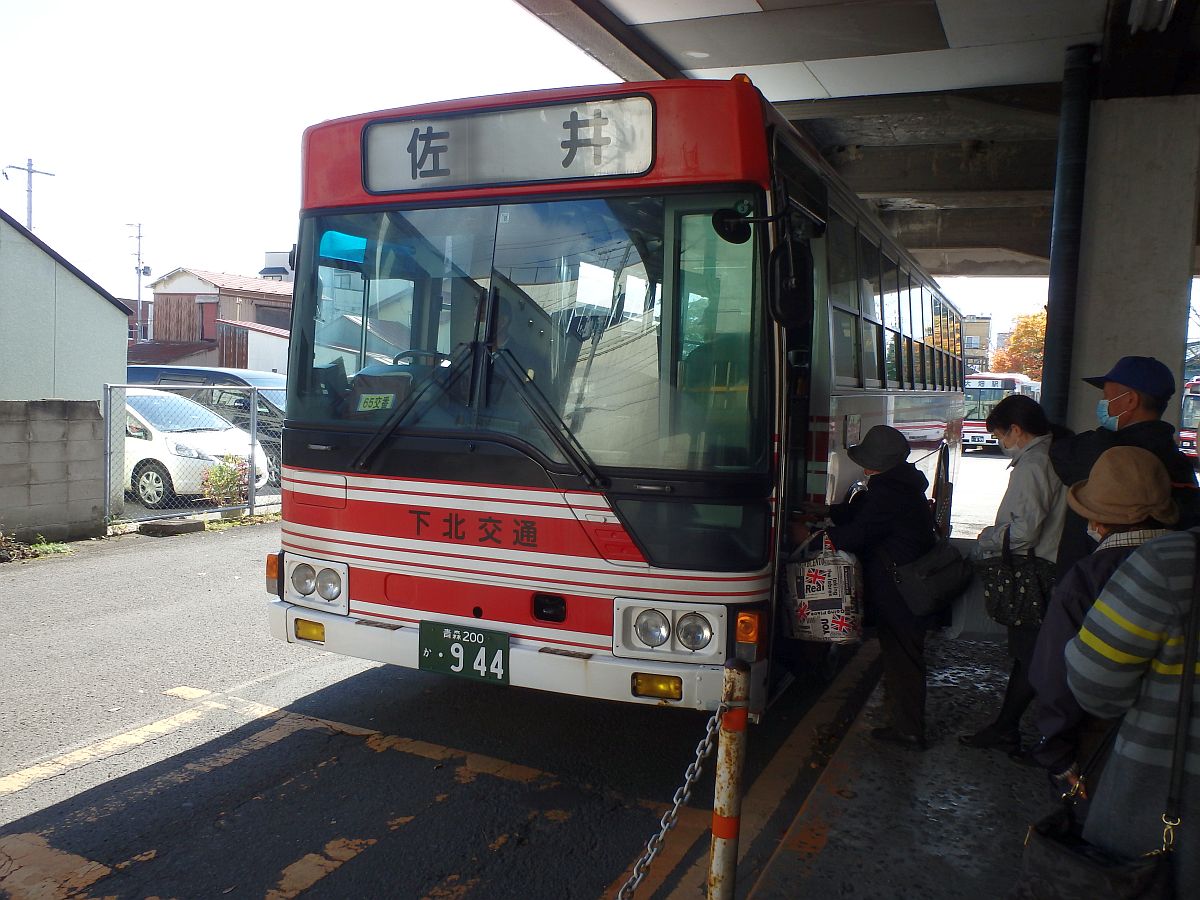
(172, 442)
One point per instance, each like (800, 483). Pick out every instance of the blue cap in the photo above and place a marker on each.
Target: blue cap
(1142, 373)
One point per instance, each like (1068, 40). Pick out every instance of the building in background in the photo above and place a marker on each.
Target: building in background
(188, 304)
(977, 343)
(278, 266)
(248, 345)
(62, 336)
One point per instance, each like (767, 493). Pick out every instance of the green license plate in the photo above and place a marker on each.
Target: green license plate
(469, 652)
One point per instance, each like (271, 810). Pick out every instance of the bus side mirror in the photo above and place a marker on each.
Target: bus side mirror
(790, 291)
(731, 226)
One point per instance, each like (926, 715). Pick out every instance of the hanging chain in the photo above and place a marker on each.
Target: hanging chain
(690, 777)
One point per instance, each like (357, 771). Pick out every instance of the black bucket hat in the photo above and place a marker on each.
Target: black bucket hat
(883, 448)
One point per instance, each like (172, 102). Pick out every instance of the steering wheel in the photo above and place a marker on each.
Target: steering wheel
(414, 354)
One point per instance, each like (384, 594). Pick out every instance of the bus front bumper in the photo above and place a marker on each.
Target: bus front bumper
(596, 674)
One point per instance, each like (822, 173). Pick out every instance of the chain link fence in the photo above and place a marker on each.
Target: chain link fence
(174, 450)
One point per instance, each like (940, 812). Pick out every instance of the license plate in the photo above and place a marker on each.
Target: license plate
(468, 652)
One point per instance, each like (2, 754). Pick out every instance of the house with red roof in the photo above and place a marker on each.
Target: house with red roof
(189, 307)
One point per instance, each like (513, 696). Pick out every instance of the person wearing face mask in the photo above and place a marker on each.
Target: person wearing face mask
(1135, 394)
(1126, 501)
(1031, 513)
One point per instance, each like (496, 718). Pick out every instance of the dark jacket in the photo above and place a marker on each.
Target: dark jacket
(1073, 458)
(1058, 715)
(888, 523)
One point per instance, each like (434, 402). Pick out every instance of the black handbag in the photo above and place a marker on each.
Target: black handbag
(1016, 589)
(1058, 864)
(931, 582)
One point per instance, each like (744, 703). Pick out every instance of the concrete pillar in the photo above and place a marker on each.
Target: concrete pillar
(1139, 239)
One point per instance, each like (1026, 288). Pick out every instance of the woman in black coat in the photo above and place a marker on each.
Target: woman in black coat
(890, 524)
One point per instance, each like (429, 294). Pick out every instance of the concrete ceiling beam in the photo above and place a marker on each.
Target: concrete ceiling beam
(900, 199)
(966, 166)
(1024, 231)
(595, 29)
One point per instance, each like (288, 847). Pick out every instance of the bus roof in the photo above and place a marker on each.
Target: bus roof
(338, 159)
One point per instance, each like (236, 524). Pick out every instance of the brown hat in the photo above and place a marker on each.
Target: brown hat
(1125, 486)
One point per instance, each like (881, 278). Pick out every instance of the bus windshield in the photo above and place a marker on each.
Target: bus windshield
(631, 320)
(1191, 411)
(981, 401)
(982, 396)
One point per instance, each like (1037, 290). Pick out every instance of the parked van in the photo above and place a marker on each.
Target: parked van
(232, 405)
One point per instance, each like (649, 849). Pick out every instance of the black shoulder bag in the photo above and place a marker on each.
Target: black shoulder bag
(1057, 864)
(1016, 589)
(931, 582)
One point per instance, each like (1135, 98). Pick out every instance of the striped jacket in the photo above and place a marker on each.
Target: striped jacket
(1128, 656)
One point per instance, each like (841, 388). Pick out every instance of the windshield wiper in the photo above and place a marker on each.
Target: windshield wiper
(188, 430)
(461, 352)
(551, 423)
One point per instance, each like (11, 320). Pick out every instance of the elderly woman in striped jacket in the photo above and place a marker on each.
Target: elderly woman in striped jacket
(1127, 660)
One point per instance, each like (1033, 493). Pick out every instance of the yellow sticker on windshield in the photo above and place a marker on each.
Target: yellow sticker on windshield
(375, 402)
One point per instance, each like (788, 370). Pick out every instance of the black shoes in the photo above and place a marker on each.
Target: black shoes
(1024, 756)
(992, 737)
(890, 735)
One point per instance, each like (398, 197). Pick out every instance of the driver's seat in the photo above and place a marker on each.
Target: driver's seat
(377, 389)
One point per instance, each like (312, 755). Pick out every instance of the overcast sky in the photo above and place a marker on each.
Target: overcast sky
(188, 118)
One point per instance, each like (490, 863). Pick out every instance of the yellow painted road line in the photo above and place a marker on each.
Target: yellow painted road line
(187, 693)
(282, 727)
(33, 870)
(312, 867)
(764, 796)
(690, 825)
(18, 781)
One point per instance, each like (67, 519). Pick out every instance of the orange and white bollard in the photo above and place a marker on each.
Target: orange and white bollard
(727, 794)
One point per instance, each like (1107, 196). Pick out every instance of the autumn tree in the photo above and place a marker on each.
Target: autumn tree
(1025, 349)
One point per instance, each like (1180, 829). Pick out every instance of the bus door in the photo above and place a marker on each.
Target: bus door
(804, 197)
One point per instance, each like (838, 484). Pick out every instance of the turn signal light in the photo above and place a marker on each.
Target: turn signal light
(749, 634)
(310, 631)
(665, 687)
(273, 573)
(747, 627)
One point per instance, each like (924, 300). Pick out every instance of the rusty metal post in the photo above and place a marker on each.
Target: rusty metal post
(727, 794)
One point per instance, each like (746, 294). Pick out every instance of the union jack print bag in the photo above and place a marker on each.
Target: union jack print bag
(824, 595)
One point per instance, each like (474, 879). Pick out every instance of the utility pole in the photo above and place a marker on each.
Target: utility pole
(29, 171)
(141, 270)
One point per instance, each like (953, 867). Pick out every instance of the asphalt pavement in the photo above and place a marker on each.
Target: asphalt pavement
(156, 741)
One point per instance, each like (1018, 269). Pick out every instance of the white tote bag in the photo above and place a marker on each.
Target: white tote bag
(824, 595)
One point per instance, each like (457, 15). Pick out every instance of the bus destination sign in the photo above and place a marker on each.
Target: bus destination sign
(586, 139)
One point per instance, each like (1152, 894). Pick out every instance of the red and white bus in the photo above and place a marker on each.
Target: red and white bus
(983, 391)
(1189, 418)
(558, 360)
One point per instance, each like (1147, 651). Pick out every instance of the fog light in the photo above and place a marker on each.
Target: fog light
(664, 687)
(309, 631)
(693, 631)
(652, 628)
(304, 579)
(329, 584)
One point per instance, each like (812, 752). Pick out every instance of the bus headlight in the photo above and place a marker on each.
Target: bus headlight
(304, 579)
(693, 631)
(329, 584)
(652, 628)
